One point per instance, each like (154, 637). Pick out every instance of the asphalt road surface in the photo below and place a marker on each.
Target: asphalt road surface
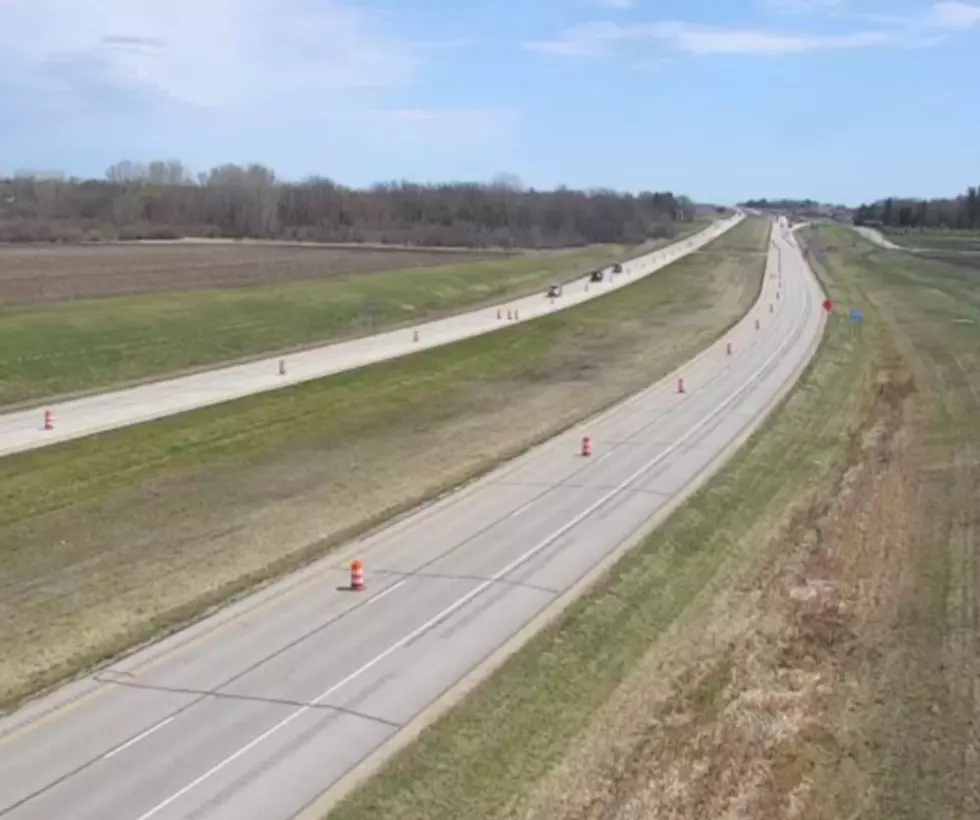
(263, 709)
(24, 429)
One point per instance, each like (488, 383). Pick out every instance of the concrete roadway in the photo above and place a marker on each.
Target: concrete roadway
(24, 429)
(274, 706)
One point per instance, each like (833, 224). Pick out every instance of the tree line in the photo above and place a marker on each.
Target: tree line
(805, 208)
(961, 212)
(764, 204)
(163, 200)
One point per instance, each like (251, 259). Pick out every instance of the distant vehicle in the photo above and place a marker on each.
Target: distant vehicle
(617, 268)
(554, 291)
(596, 276)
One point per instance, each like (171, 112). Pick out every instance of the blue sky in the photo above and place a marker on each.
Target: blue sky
(839, 100)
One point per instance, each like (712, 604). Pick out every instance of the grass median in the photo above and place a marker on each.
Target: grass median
(800, 639)
(963, 240)
(65, 348)
(520, 745)
(110, 540)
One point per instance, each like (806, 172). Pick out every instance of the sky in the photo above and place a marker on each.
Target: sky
(720, 100)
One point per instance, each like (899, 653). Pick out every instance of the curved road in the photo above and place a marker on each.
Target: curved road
(75, 418)
(272, 707)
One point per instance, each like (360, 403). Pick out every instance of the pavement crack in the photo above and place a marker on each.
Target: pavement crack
(218, 695)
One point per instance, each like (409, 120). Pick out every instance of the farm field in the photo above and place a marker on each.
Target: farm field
(108, 541)
(63, 348)
(966, 262)
(955, 240)
(959, 249)
(54, 273)
(800, 639)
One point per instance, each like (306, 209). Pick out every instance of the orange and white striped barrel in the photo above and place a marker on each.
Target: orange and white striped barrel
(357, 576)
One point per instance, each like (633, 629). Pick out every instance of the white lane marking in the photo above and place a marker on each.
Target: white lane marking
(520, 510)
(375, 598)
(143, 735)
(134, 740)
(445, 613)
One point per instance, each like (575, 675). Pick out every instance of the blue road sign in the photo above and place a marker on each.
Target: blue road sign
(857, 317)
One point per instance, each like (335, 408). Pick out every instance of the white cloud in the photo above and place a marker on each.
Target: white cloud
(947, 15)
(617, 4)
(954, 16)
(803, 6)
(213, 53)
(596, 38)
(704, 40)
(166, 72)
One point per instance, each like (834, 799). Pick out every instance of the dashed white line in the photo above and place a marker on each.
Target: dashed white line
(134, 740)
(375, 598)
(445, 613)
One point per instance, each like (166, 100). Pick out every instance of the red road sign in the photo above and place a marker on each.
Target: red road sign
(828, 305)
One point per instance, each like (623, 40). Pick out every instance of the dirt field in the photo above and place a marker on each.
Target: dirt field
(800, 641)
(51, 273)
(107, 540)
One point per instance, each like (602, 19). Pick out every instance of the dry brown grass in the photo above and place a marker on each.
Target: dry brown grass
(743, 710)
(49, 273)
(832, 672)
(213, 500)
(926, 723)
(634, 704)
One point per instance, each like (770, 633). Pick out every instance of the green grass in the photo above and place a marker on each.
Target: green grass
(954, 240)
(331, 410)
(56, 349)
(921, 729)
(902, 744)
(108, 540)
(484, 757)
(966, 262)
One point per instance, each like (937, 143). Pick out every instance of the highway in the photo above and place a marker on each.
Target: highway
(273, 707)
(25, 430)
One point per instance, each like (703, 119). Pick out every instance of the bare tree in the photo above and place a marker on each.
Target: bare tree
(962, 212)
(163, 199)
